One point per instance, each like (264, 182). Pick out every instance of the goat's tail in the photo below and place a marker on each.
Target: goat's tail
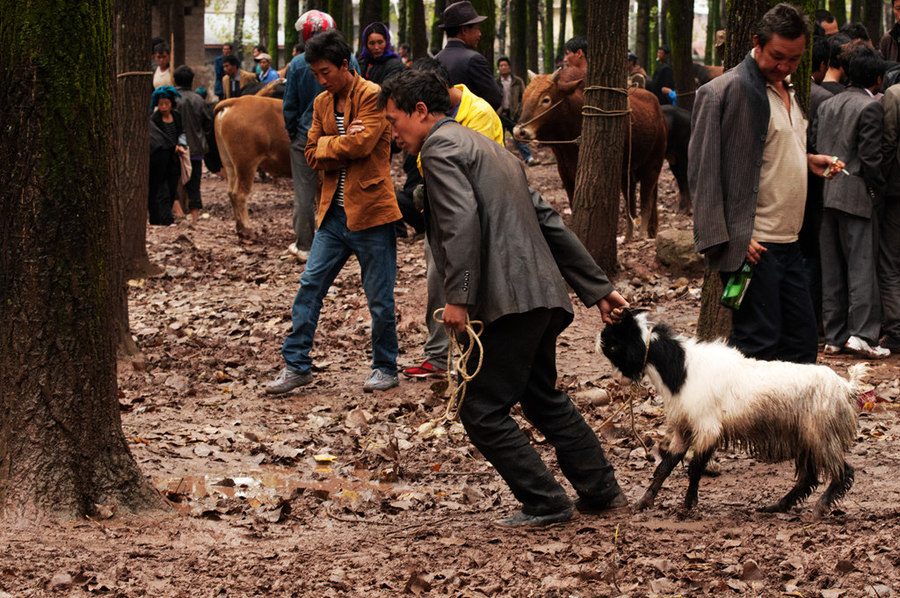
(858, 373)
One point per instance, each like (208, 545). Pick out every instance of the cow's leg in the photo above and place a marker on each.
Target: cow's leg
(628, 190)
(679, 169)
(649, 191)
(806, 483)
(836, 490)
(695, 470)
(238, 192)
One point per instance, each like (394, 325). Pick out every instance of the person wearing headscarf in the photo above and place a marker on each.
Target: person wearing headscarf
(377, 60)
(167, 142)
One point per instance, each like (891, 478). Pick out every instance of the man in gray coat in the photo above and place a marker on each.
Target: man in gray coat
(747, 175)
(889, 246)
(505, 256)
(849, 125)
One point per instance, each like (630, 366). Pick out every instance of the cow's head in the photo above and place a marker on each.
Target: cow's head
(547, 105)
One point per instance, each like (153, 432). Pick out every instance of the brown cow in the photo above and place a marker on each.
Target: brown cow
(250, 134)
(551, 112)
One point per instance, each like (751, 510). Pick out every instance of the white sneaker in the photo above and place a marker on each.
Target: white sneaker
(298, 253)
(860, 347)
(833, 349)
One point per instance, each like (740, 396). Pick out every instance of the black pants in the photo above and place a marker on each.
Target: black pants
(192, 187)
(520, 367)
(164, 172)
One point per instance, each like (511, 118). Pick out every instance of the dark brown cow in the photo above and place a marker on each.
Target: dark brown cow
(251, 136)
(551, 112)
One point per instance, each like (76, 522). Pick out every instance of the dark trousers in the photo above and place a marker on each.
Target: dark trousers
(889, 268)
(192, 187)
(164, 172)
(520, 367)
(776, 319)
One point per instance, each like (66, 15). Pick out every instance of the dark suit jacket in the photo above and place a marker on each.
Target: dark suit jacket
(472, 69)
(728, 134)
(849, 126)
(499, 247)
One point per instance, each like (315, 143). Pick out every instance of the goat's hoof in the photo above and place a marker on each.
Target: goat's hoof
(820, 511)
(643, 504)
(690, 503)
(775, 507)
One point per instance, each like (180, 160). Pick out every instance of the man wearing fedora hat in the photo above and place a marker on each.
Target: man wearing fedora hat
(465, 65)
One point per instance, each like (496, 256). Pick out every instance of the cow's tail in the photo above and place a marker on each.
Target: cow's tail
(224, 104)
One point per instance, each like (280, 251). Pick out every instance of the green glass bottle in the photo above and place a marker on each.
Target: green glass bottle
(736, 287)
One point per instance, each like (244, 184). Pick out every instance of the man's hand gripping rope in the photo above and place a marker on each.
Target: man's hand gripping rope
(473, 329)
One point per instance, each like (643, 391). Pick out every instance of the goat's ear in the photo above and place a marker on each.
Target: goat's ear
(634, 311)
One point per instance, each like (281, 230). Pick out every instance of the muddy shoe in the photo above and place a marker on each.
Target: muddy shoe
(287, 381)
(618, 505)
(379, 380)
(521, 519)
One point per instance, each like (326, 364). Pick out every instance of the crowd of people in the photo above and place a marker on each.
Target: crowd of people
(496, 252)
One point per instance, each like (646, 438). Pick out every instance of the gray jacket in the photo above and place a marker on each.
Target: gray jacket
(500, 248)
(728, 135)
(849, 127)
(196, 120)
(890, 142)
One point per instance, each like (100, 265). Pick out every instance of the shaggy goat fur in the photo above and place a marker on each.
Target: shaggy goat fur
(714, 396)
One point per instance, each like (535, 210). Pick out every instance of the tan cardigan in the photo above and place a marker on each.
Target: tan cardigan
(368, 192)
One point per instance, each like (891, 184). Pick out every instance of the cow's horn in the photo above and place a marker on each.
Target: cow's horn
(555, 76)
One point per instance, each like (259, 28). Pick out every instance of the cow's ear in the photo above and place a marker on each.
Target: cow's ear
(570, 86)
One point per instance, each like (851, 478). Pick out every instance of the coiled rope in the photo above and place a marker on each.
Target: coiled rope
(474, 328)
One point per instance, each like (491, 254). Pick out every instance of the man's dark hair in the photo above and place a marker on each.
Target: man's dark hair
(836, 45)
(866, 65)
(579, 42)
(819, 53)
(410, 86)
(298, 47)
(824, 16)
(784, 20)
(261, 48)
(184, 76)
(328, 45)
(432, 65)
(503, 59)
(452, 31)
(154, 42)
(405, 46)
(160, 48)
(231, 59)
(230, 46)
(856, 31)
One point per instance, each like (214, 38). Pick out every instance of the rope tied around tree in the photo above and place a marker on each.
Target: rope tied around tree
(474, 328)
(134, 74)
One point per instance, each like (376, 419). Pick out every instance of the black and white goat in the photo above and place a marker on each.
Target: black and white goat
(714, 396)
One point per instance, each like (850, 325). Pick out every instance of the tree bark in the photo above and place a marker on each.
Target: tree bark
(642, 35)
(178, 44)
(369, 12)
(437, 34)
(653, 46)
(681, 23)
(839, 9)
(164, 12)
(336, 10)
(518, 32)
(402, 22)
(62, 450)
(872, 19)
(487, 8)
(855, 11)
(579, 17)
(239, 28)
(273, 35)
(291, 14)
(502, 26)
(547, 37)
(561, 46)
(595, 207)
(712, 26)
(533, 14)
(262, 19)
(419, 30)
(663, 25)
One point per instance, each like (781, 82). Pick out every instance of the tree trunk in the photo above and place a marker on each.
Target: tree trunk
(518, 31)
(402, 22)
(419, 30)
(872, 19)
(855, 11)
(579, 17)
(164, 11)
(681, 23)
(533, 13)
(642, 35)
(239, 28)
(369, 12)
(653, 46)
(291, 13)
(178, 44)
(839, 9)
(561, 46)
(487, 8)
(272, 24)
(547, 37)
(336, 10)
(502, 26)
(62, 450)
(437, 34)
(712, 26)
(595, 207)
(663, 25)
(262, 17)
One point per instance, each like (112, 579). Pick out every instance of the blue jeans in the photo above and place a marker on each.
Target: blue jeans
(376, 250)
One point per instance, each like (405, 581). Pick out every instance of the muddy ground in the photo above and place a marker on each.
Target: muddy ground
(332, 492)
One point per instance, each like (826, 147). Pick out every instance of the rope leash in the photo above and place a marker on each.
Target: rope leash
(474, 328)
(633, 392)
